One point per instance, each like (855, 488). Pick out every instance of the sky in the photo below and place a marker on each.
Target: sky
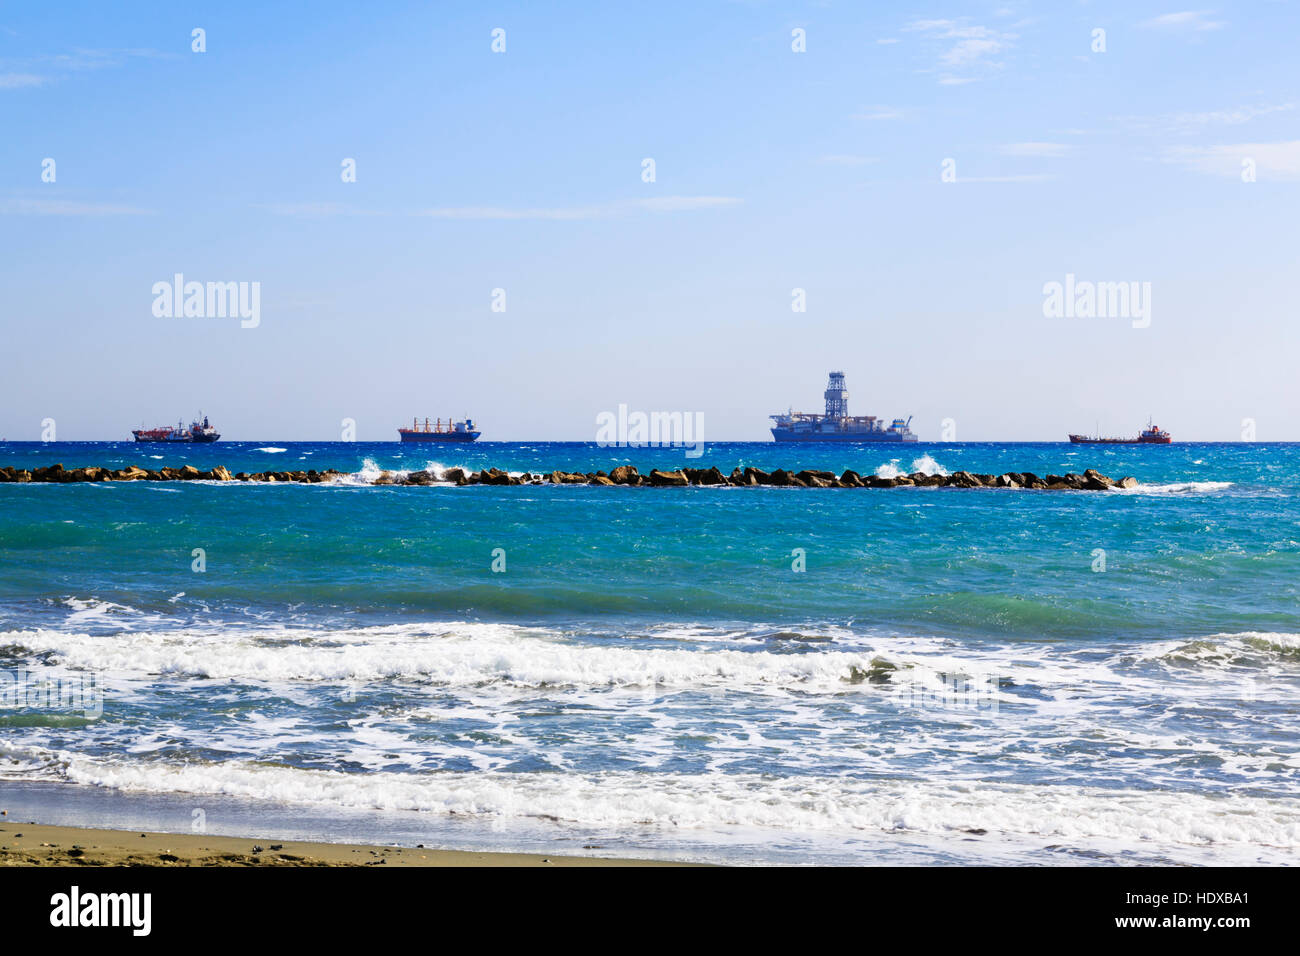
(922, 172)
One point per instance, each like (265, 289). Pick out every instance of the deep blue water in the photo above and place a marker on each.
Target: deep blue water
(718, 673)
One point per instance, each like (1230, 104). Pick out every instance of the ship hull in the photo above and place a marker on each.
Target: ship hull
(1084, 440)
(437, 438)
(840, 438)
(184, 440)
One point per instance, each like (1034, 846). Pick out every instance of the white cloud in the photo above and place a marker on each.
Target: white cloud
(1196, 21)
(1272, 160)
(597, 211)
(879, 113)
(1025, 178)
(66, 207)
(967, 46)
(845, 159)
(1195, 122)
(16, 81)
(1052, 150)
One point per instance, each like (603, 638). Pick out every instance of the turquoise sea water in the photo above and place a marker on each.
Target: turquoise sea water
(713, 673)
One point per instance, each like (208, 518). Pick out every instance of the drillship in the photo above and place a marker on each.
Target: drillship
(439, 431)
(1151, 435)
(197, 433)
(837, 424)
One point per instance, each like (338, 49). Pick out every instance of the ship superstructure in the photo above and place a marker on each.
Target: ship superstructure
(837, 424)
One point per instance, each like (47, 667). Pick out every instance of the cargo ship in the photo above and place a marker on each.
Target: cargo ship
(1151, 435)
(837, 424)
(197, 433)
(439, 431)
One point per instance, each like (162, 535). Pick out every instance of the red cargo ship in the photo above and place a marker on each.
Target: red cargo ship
(1151, 435)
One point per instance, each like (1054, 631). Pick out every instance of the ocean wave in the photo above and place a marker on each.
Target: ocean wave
(693, 801)
(1176, 488)
(471, 655)
(925, 465)
(271, 450)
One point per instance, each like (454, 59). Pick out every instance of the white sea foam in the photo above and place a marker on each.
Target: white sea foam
(1176, 488)
(925, 465)
(271, 450)
(622, 800)
(464, 655)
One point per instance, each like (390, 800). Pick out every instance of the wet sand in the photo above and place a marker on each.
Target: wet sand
(27, 844)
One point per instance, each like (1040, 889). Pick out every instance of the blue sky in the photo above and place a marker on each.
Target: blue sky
(775, 170)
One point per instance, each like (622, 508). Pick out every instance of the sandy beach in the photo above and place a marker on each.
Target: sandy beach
(29, 844)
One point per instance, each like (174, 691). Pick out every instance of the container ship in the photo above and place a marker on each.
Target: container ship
(439, 431)
(198, 433)
(1151, 435)
(837, 424)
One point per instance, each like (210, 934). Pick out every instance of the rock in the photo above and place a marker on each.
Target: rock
(456, 476)
(1128, 481)
(713, 477)
(783, 479)
(1007, 481)
(222, 473)
(1094, 480)
(624, 475)
(49, 473)
(875, 481)
(1075, 482)
(188, 473)
(850, 479)
(663, 479)
(816, 481)
(807, 474)
(963, 479)
(419, 478)
(602, 480)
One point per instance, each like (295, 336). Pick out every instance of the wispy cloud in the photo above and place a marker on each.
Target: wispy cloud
(17, 81)
(66, 207)
(1193, 122)
(878, 113)
(846, 159)
(1190, 21)
(1271, 160)
(1038, 150)
(26, 72)
(661, 204)
(967, 47)
(315, 209)
(1025, 178)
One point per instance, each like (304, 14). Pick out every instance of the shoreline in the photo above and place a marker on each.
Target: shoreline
(37, 844)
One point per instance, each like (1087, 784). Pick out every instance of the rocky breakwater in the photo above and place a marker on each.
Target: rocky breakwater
(60, 475)
(625, 475)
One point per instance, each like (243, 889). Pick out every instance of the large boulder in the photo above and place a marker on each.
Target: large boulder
(1094, 480)
(664, 479)
(1128, 481)
(850, 479)
(624, 475)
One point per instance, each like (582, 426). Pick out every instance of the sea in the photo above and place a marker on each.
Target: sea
(713, 674)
